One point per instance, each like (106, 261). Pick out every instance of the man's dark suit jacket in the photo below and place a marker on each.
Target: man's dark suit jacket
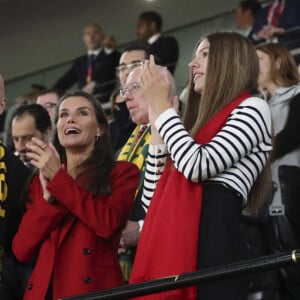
(166, 49)
(14, 176)
(289, 18)
(104, 70)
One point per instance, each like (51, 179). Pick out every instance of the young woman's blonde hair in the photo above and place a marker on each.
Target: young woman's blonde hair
(284, 71)
(232, 68)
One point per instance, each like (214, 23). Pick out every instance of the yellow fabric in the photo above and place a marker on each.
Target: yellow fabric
(132, 154)
(134, 151)
(137, 151)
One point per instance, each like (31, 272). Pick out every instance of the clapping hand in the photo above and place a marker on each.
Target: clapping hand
(44, 157)
(156, 87)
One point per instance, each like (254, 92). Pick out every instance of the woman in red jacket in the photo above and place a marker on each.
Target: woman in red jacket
(77, 205)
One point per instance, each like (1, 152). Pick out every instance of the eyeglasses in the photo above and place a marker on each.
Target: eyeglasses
(130, 67)
(132, 88)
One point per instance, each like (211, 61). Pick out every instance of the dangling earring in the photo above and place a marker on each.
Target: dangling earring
(98, 136)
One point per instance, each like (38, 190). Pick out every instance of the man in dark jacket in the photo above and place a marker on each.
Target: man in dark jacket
(13, 175)
(277, 20)
(164, 48)
(93, 72)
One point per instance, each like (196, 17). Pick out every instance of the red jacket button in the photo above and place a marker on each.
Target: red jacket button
(87, 280)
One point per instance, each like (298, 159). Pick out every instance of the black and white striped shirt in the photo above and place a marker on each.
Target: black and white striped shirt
(235, 156)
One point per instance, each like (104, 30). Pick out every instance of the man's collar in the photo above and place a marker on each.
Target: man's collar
(94, 52)
(153, 38)
(108, 50)
(248, 31)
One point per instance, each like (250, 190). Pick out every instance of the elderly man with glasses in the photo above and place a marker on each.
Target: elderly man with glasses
(135, 151)
(132, 57)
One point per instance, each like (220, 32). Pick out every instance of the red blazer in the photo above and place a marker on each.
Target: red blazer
(75, 241)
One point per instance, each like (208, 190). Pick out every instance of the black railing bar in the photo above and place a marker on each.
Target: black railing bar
(193, 278)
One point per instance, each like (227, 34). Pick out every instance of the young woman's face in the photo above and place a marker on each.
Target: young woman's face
(264, 78)
(77, 125)
(198, 66)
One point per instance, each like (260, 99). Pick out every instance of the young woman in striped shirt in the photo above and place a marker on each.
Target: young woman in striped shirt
(203, 170)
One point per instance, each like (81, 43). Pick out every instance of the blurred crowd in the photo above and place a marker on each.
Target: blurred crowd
(111, 176)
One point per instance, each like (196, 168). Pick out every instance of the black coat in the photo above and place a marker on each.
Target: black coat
(166, 49)
(104, 70)
(14, 175)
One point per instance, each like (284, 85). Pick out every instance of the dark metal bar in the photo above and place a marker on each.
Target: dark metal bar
(193, 278)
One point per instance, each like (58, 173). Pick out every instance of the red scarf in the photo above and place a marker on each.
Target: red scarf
(168, 244)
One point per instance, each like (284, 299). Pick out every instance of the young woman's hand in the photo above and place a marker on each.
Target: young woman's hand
(156, 87)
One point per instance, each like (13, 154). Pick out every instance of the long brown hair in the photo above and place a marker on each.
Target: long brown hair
(232, 68)
(284, 68)
(96, 170)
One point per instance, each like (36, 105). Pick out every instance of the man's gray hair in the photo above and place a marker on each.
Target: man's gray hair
(162, 70)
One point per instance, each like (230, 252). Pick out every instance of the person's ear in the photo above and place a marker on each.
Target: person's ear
(2, 105)
(277, 63)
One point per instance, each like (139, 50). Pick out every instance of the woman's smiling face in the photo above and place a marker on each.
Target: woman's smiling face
(198, 66)
(77, 125)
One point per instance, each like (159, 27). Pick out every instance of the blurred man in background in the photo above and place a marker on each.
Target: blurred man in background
(246, 14)
(29, 120)
(93, 72)
(164, 48)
